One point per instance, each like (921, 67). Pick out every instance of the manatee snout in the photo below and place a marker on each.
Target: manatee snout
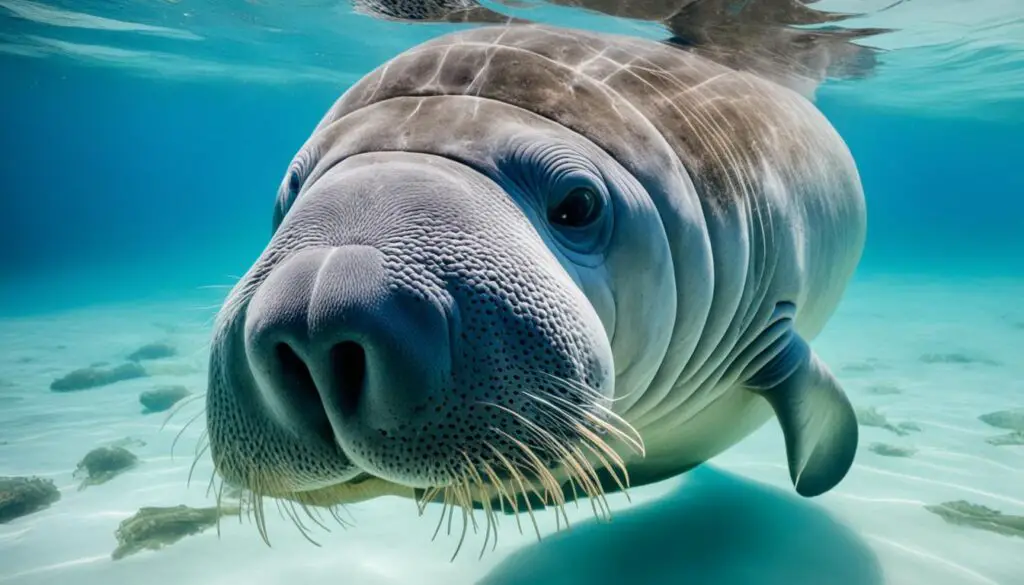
(339, 347)
(407, 322)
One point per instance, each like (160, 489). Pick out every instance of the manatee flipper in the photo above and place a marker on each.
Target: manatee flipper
(817, 419)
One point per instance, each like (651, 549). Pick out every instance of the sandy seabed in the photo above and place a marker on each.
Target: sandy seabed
(930, 351)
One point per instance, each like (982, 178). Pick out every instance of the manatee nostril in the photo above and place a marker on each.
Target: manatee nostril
(296, 372)
(301, 390)
(348, 359)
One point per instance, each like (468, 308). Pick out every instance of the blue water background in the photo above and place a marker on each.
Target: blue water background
(117, 187)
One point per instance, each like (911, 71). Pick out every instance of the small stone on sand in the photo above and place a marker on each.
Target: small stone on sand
(957, 358)
(884, 389)
(152, 528)
(162, 398)
(153, 351)
(870, 417)
(891, 450)
(103, 464)
(1016, 438)
(1011, 420)
(20, 496)
(964, 513)
(86, 378)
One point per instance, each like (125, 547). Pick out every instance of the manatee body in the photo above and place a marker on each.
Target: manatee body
(530, 260)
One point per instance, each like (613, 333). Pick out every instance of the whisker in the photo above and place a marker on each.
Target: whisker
(447, 506)
(622, 484)
(259, 517)
(192, 467)
(546, 478)
(636, 442)
(492, 525)
(467, 508)
(552, 492)
(289, 508)
(597, 402)
(333, 510)
(571, 457)
(177, 437)
(220, 494)
(591, 474)
(518, 478)
(210, 484)
(454, 490)
(587, 391)
(180, 405)
(315, 518)
(427, 498)
(503, 491)
(547, 481)
(591, 440)
(485, 502)
(578, 460)
(440, 521)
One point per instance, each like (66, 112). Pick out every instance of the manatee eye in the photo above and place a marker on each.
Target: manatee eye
(579, 208)
(294, 184)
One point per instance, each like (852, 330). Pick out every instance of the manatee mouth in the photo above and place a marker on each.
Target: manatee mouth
(565, 446)
(361, 478)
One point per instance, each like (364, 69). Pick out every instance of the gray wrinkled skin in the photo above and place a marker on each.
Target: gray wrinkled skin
(453, 298)
(416, 306)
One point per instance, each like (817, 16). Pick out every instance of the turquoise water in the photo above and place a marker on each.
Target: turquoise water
(143, 144)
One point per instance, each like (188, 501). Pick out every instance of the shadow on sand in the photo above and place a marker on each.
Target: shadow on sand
(716, 528)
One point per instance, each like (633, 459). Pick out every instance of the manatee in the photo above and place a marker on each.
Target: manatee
(523, 259)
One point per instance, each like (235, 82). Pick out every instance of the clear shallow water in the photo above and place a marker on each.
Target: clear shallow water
(723, 524)
(143, 142)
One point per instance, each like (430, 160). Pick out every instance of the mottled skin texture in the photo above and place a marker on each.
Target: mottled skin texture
(417, 282)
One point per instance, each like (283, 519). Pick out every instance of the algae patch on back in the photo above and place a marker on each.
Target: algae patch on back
(103, 464)
(20, 496)
(152, 528)
(963, 513)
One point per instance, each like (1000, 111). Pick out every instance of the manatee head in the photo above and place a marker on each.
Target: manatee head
(451, 288)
